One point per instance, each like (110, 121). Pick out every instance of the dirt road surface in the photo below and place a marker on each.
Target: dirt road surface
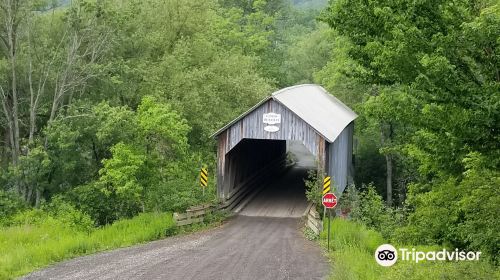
(244, 248)
(263, 242)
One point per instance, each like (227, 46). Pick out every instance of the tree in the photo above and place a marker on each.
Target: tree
(12, 13)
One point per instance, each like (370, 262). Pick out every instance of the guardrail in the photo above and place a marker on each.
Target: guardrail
(193, 215)
(313, 219)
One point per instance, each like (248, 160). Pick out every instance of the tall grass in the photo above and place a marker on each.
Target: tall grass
(352, 257)
(25, 248)
(352, 249)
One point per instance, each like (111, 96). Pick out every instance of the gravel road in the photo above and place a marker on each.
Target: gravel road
(261, 243)
(244, 248)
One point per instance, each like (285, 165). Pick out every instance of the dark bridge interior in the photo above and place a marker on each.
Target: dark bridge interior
(262, 184)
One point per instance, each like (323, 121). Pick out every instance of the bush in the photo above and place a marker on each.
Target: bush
(68, 215)
(314, 187)
(459, 214)
(368, 208)
(10, 204)
(57, 213)
(104, 209)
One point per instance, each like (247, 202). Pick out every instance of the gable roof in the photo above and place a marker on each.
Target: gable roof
(313, 104)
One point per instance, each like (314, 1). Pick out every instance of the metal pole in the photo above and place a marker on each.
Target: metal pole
(329, 216)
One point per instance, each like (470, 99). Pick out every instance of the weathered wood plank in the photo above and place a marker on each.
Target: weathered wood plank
(252, 127)
(314, 213)
(190, 221)
(313, 220)
(313, 227)
(199, 207)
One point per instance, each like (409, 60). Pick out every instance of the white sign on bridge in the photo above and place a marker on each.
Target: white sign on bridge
(271, 118)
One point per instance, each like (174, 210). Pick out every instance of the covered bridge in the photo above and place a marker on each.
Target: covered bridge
(252, 147)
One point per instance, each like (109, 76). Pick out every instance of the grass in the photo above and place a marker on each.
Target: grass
(352, 251)
(26, 248)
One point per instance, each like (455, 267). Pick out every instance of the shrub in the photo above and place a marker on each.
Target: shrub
(104, 209)
(68, 215)
(368, 208)
(10, 204)
(314, 187)
(458, 213)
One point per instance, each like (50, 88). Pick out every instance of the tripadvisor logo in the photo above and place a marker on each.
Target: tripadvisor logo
(387, 255)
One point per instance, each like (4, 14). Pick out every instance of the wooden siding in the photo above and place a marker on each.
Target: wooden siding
(242, 151)
(252, 127)
(340, 159)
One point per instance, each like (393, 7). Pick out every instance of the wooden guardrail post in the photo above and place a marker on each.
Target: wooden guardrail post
(193, 215)
(313, 220)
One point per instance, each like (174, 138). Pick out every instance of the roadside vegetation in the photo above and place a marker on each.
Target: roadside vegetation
(39, 237)
(354, 241)
(352, 249)
(49, 238)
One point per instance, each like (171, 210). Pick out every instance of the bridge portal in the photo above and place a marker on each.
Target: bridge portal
(253, 147)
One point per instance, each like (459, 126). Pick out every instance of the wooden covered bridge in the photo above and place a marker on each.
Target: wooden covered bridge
(252, 148)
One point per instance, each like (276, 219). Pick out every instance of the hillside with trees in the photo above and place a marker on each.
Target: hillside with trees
(108, 107)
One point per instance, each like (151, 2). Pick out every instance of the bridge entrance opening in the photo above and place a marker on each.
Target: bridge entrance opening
(283, 194)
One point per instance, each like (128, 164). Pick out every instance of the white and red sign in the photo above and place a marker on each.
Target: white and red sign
(329, 200)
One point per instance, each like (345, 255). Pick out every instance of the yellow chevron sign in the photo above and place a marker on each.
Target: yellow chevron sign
(204, 177)
(326, 185)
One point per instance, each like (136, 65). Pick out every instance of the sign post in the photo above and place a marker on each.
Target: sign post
(329, 201)
(326, 189)
(203, 179)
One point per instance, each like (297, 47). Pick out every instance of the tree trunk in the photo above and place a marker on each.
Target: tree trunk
(11, 44)
(38, 196)
(385, 138)
(29, 196)
(388, 161)
(15, 113)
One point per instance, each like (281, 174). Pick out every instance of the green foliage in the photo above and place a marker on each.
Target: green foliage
(462, 214)
(26, 247)
(306, 55)
(134, 154)
(30, 174)
(309, 234)
(68, 215)
(160, 124)
(443, 270)
(10, 204)
(120, 173)
(353, 251)
(428, 48)
(353, 248)
(103, 209)
(368, 208)
(119, 99)
(314, 187)
(59, 213)
(429, 75)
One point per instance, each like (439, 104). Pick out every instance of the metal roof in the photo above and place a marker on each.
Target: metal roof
(313, 104)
